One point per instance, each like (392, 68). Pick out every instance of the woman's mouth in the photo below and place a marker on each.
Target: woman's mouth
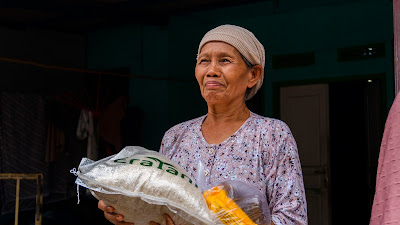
(213, 84)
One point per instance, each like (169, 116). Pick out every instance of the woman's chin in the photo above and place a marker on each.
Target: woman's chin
(212, 98)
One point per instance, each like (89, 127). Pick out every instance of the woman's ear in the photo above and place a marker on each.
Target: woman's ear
(255, 75)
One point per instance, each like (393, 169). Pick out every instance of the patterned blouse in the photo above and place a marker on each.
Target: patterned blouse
(262, 153)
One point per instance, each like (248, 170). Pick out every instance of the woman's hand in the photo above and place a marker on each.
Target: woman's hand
(168, 220)
(109, 214)
(118, 219)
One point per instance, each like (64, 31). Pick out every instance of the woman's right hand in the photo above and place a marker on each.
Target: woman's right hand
(110, 215)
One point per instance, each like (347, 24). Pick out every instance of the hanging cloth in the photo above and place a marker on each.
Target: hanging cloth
(86, 129)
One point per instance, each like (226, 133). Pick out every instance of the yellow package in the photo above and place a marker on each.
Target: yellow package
(225, 208)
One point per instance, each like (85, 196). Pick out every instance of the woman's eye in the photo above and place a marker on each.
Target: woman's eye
(225, 60)
(203, 60)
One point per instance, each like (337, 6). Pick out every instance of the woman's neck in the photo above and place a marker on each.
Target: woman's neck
(218, 114)
(221, 123)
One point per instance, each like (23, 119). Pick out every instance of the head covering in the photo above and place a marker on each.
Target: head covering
(245, 42)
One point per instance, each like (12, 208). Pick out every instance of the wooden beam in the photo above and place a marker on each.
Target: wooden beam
(39, 194)
(39, 200)
(15, 176)
(17, 202)
(396, 31)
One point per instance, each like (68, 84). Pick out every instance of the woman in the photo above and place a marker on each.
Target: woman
(234, 142)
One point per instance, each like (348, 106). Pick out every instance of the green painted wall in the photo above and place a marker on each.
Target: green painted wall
(170, 52)
(321, 29)
(144, 50)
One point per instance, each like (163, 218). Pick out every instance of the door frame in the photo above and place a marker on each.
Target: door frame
(278, 84)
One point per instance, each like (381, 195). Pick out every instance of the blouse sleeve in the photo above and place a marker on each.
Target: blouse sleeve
(285, 190)
(167, 143)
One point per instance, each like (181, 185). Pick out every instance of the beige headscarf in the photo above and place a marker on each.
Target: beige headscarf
(245, 42)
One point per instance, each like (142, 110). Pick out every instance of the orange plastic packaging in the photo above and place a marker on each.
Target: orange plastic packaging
(225, 208)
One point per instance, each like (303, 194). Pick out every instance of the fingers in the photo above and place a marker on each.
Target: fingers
(168, 220)
(115, 218)
(104, 207)
(109, 214)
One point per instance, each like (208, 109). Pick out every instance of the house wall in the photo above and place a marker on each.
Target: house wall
(318, 28)
(169, 52)
(45, 48)
(30, 74)
(142, 49)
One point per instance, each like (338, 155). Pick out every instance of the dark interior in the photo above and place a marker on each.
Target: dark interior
(354, 106)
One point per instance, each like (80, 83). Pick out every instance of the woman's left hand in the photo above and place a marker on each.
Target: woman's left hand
(168, 220)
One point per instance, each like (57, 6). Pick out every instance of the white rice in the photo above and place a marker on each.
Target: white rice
(143, 185)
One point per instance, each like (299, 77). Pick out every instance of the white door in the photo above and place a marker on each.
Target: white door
(306, 110)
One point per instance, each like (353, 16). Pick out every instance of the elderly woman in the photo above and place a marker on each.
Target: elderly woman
(235, 143)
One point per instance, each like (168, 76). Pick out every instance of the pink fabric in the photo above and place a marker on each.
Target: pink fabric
(262, 153)
(386, 206)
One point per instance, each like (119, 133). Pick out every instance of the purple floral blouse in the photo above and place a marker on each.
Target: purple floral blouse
(262, 153)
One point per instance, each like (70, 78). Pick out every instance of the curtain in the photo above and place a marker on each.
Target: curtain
(396, 44)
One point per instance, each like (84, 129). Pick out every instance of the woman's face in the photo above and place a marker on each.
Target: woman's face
(222, 74)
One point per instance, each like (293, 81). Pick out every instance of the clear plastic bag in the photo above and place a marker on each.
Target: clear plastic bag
(235, 202)
(143, 185)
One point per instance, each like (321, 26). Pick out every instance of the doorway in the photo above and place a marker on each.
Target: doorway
(356, 115)
(338, 128)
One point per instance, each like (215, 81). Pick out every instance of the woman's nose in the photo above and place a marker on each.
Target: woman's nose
(214, 70)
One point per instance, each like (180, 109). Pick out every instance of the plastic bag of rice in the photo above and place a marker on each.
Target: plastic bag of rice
(143, 185)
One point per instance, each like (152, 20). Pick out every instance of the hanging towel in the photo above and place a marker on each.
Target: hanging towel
(83, 125)
(386, 205)
(86, 129)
